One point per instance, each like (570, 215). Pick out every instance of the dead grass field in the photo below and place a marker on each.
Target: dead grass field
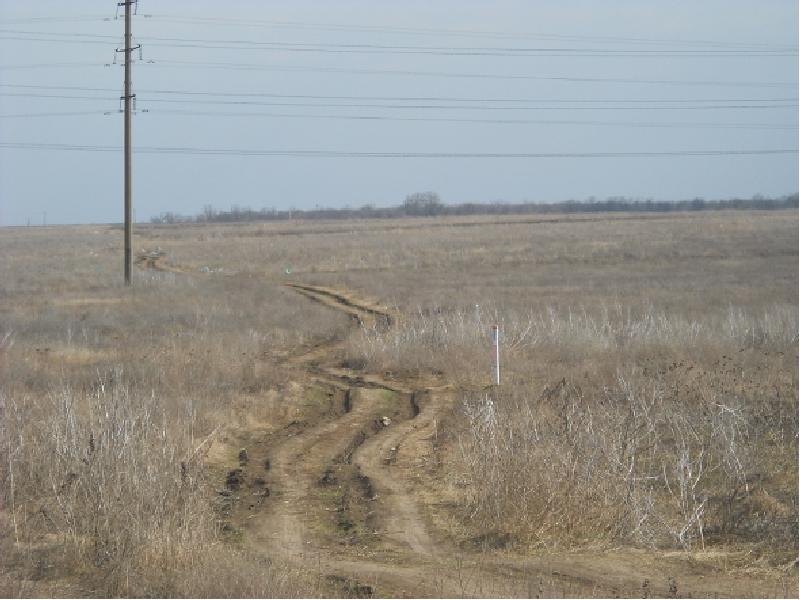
(644, 440)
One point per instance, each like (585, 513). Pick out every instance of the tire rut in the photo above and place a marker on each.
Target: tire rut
(345, 303)
(296, 466)
(403, 522)
(402, 529)
(288, 522)
(405, 556)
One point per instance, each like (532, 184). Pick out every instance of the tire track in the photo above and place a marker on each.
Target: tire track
(402, 521)
(357, 309)
(294, 467)
(298, 462)
(416, 562)
(405, 557)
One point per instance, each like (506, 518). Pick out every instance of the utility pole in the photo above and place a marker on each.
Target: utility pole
(128, 98)
(496, 343)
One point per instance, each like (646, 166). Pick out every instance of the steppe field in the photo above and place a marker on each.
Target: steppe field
(308, 408)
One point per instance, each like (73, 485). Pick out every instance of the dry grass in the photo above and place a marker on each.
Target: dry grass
(106, 394)
(664, 461)
(649, 396)
(625, 427)
(456, 340)
(107, 486)
(649, 387)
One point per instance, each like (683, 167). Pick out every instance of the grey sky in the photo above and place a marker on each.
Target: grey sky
(311, 60)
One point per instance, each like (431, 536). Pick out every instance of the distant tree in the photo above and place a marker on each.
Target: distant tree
(429, 203)
(697, 204)
(423, 204)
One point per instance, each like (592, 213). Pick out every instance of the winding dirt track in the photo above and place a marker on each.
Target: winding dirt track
(337, 493)
(334, 494)
(358, 438)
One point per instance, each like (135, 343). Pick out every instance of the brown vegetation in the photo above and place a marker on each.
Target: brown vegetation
(107, 396)
(649, 400)
(625, 416)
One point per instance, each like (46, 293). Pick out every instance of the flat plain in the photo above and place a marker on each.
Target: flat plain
(308, 408)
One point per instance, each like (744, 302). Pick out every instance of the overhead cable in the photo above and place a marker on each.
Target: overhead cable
(196, 151)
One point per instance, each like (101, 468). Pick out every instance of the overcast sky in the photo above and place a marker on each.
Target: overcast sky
(503, 77)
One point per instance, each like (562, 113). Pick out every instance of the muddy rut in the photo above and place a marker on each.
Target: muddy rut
(336, 493)
(334, 502)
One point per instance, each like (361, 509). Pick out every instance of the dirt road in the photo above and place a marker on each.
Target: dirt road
(337, 491)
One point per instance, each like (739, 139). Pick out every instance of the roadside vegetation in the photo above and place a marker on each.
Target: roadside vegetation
(108, 396)
(648, 400)
(649, 381)
(625, 427)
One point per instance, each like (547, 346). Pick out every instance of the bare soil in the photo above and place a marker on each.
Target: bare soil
(338, 488)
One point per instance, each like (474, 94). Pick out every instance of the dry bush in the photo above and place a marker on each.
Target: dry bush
(456, 341)
(647, 460)
(105, 391)
(170, 358)
(111, 480)
(660, 429)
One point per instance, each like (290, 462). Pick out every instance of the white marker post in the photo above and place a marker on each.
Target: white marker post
(496, 341)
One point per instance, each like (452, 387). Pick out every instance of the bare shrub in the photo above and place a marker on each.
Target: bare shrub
(111, 479)
(645, 460)
(650, 299)
(457, 340)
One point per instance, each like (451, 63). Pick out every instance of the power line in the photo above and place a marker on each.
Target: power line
(372, 118)
(412, 73)
(493, 107)
(437, 32)
(442, 32)
(306, 47)
(55, 19)
(50, 65)
(462, 75)
(54, 114)
(768, 50)
(397, 98)
(643, 124)
(58, 96)
(463, 107)
(196, 151)
(501, 50)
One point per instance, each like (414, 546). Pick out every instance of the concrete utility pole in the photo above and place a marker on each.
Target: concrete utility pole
(496, 342)
(128, 99)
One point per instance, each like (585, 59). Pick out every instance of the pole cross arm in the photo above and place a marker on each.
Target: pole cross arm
(131, 49)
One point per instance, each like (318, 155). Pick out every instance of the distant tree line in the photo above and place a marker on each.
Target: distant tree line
(429, 204)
